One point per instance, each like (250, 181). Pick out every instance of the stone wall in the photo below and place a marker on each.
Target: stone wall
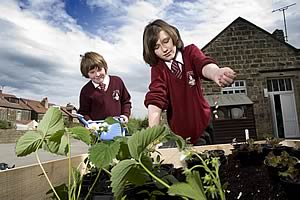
(10, 135)
(256, 56)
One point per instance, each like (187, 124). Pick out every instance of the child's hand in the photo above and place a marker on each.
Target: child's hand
(224, 76)
(124, 118)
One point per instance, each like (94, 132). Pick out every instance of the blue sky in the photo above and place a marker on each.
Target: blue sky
(41, 40)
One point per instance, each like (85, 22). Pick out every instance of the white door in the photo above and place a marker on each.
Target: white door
(289, 115)
(283, 106)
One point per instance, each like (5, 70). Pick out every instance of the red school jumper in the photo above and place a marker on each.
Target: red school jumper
(98, 105)
(188, 112)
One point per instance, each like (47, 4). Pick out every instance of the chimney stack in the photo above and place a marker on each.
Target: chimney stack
(278, 33)
(45, 102)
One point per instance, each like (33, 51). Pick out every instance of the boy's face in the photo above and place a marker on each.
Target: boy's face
(164, 48)
(97, 75)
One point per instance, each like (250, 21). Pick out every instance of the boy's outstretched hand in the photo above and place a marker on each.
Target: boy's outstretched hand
(224, 76)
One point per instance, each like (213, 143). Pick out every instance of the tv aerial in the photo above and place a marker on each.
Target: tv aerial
(284, 21)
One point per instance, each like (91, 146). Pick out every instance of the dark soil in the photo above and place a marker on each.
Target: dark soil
(244, 182)
(252, 181)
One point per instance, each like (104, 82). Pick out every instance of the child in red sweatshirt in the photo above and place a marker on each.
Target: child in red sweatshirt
(104, 95)
(176, 73)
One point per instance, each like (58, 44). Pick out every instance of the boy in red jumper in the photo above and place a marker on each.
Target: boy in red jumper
(104, 95)
(176, 73)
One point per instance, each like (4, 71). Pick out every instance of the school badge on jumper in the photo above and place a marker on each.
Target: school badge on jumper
(116, 95)
(191, 78)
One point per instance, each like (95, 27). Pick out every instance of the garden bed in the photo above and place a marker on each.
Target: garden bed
(250, 182)
(246, 182)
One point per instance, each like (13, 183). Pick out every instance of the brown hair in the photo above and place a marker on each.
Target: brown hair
(151, 36)
(91, 60)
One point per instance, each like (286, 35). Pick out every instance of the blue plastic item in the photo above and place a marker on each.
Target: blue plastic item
(113, 130)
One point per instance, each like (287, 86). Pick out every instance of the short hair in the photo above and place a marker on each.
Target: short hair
(151, 36)
(90, 61)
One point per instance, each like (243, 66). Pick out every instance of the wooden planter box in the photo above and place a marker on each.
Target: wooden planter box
(29, 183)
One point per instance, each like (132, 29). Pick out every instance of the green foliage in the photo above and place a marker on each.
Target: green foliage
(211, 180)
(135, 124)
(138, 168)
(141, 140)
(111, 120)
(28, 143)
(192, 188)
(51, 122)
(280, 161)
(250, 146)
(134, 163)
(274, 141)
(284, 160)
(124, 150)
(102, 154)
(82, 134)
(292, 173)
(119, 176)
(62, 191)
(49, 135)
(54, 137)
(57, 143)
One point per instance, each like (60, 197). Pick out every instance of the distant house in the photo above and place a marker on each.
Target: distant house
(69, 112)
(268, 72)
(25, 112)
(12, 108)
(38, 108)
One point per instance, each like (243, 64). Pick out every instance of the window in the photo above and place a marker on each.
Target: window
(12, 99)
(237, 87)
(19, 115)
(275, 85)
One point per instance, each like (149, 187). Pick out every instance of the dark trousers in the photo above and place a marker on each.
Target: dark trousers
(207, 137)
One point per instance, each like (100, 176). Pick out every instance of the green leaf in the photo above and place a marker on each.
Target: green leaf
(51, 146)
(64, 146)
(139, 141)
(138, 176)
(111, 120)
(56, 137)
(102, 154)
(123, 152)
(81, 133)
(118, 176)
(51, 122)
(76, 179)
(194, 180)
(56, 143)
(180, 142)
(28, 143)
(192, 189)
(61, 190)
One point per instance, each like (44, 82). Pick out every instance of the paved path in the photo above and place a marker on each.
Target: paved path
(8, 155)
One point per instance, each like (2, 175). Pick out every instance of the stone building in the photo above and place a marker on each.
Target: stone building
(268, 72)
(22, 111)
